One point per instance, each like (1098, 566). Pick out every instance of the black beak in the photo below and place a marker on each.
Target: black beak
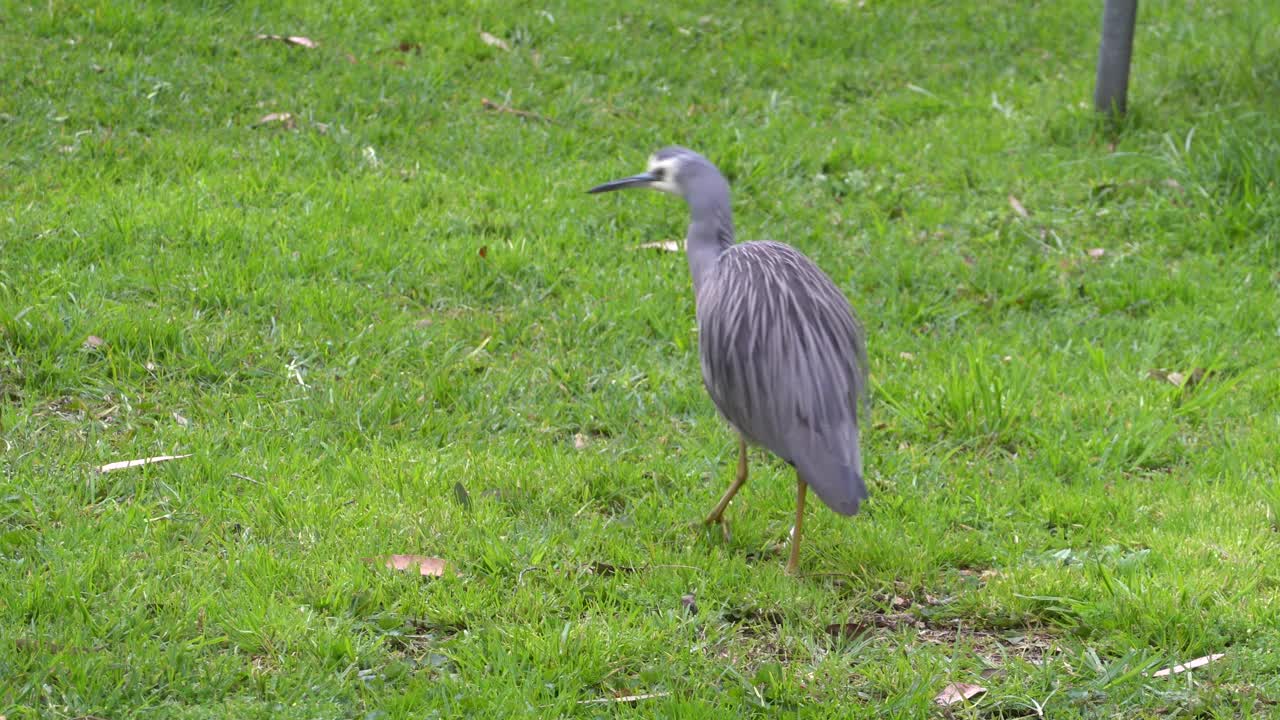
(633, 181)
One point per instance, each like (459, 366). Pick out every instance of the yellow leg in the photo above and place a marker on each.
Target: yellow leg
(717, 515)
(794, 563)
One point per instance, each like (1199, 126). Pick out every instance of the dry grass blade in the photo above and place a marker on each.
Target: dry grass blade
(624, 699)
(664, 245)
(1016, 204)
(958, 692)
(494, 41)
(426, 566)
(1096, 253)
(1188, 665)
(126, 464)
(480, 348)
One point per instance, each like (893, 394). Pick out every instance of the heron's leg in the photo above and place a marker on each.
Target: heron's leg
(794, 563)
(717, 515)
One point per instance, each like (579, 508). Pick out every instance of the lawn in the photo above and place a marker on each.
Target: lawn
(392, 322)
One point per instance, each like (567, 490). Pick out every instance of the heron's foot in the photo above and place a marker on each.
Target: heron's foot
(715, 519)
(786, 547)
(793, 562)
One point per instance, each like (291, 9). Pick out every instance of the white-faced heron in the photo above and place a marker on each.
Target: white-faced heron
(783, 354)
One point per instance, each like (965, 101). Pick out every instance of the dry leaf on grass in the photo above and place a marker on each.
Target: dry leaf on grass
(958, 692)
(463, 497)
(624, 699)
(664, 245)
(1096, 253)
(605, 569)
(298, 40)
(125, 464)
(1189, 665)
(1196, 376)
(494, 41)
(579, 441)
(426, 566)
(1017, 207)
(1178, 379)
(93, 341)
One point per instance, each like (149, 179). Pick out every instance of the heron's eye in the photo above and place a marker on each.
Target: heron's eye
(659, 173)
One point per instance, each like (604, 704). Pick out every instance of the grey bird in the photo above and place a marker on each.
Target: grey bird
(783, 354)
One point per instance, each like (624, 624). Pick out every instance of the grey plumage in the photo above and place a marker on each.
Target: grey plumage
(782, 358)
(783, 354)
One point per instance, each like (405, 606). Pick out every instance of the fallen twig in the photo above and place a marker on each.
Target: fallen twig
(125, 464)
(499, 107)
(1189, 665)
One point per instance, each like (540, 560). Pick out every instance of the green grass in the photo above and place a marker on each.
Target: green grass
(407, 293)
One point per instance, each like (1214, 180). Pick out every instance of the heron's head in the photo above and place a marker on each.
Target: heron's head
(674, 170)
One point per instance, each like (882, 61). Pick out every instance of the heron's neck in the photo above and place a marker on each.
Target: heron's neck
(710, 232)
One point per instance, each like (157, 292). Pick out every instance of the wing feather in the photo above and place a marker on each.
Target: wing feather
(784, 360)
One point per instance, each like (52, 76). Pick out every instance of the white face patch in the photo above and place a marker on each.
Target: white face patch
(666, 169)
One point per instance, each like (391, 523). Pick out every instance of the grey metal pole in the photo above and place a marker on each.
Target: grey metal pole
(1114, 54)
